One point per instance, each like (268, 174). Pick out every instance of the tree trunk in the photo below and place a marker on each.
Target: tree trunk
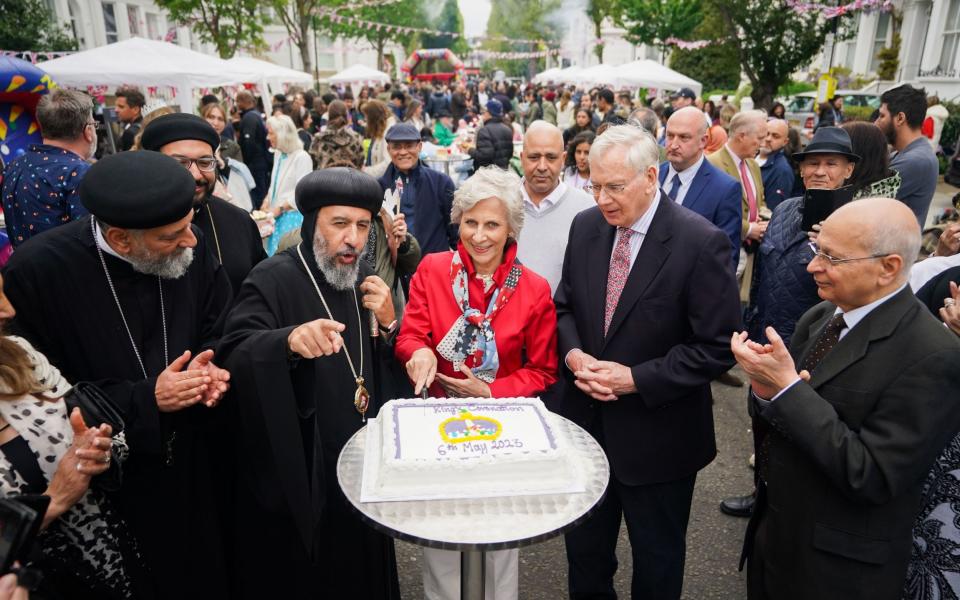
(381, 42)
(598, 47)
(763, 95)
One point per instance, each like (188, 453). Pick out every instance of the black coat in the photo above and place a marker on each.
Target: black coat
(66, 310)
(671, 326)
(252, 137)
(427, 209)
(291, 418)
(849, 452)
(494, 145)
(232, 237)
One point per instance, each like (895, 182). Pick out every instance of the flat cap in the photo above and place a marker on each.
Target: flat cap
(138, 190)
(403, 132)
(338, 186)
(175, 127)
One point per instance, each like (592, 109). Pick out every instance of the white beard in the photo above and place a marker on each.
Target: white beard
(340, 277)
(166, 267)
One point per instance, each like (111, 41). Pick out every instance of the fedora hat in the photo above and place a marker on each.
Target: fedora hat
(829, 140)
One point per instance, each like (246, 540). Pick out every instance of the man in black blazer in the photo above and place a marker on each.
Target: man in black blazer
(645, 307)
(855, 431)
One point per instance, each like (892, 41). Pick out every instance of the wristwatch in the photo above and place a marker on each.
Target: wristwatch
(389, 328)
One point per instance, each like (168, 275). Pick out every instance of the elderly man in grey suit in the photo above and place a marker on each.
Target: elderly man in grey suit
(859, 409)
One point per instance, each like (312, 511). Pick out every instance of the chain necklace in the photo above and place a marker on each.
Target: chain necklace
(116, 299)
(216, 238)
(361, 398)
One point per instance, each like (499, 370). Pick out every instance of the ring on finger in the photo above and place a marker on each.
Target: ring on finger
(948, 302)
(106, 459)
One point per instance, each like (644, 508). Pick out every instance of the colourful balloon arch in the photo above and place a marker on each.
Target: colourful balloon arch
(21, 86)
(434, 53)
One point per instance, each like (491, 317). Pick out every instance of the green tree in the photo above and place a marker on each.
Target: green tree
(298, 18)
(227, 24)
(598, 10)
(521, 20)
(405, 13)
(653, 22)
(449, 20)
(772, 41)
(30, 25)
(716, 66)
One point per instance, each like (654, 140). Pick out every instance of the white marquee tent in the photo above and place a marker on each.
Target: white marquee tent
(272, 77)
(637, 74)
(360, 75)
(145, 63)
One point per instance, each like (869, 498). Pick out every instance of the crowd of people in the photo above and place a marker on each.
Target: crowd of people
(246, 289)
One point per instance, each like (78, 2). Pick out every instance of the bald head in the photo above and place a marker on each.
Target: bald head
(873, 242)
(691, 117)
(542, 159)
(777, 136)
(686, 137)
(541, 132)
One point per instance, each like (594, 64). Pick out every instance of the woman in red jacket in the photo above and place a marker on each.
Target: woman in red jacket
(479, 324)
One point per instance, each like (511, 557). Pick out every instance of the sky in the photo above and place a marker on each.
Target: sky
(475, 14)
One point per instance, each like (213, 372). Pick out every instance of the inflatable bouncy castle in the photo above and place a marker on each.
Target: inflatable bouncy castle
(21, 86)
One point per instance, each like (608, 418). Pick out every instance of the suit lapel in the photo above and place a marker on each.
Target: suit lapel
(599, 248)
(758, 178)
(653, 253)
(697, 185)
(879, 324)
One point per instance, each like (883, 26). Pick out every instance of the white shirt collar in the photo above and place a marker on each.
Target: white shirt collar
(103, 245)
(550, 199)
(854, 316)
(733, 155)
(642, 224)
(686, 175)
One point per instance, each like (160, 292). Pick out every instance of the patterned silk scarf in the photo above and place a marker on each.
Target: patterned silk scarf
(471, 335)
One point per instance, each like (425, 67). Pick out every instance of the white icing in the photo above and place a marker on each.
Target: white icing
(527, 455)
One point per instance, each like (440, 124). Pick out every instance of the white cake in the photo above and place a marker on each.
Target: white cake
(474, 447)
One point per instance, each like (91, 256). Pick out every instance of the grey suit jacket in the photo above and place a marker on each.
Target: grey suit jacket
(849, 452)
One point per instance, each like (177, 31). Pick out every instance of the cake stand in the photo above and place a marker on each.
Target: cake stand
(475, 526)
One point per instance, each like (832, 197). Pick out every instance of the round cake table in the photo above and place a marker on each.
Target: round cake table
(475, 526)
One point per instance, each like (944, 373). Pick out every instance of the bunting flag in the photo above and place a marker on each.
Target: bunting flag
(364, 24)
(832, 12)
(487, 55)
(33, 57)
(685, 45)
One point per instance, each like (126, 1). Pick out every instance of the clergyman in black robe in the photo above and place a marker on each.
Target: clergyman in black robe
(232, 235)
(63, 284)
(294, 391)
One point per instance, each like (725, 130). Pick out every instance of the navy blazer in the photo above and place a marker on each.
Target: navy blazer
(671, 327)
(433, 200)
(715, 196)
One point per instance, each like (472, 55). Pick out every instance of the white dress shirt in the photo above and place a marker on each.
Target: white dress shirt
(850, 318)
(686, 177)
(550, 199)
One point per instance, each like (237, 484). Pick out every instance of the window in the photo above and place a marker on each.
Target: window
(110, 22)
(153, 27)
(133, 20)
(74, 11)
(951, 37)
(880, 39)
(851, 28)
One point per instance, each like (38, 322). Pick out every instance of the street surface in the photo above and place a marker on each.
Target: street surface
(713, 539)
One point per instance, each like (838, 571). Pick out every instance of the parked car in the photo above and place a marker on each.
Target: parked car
(802, 110)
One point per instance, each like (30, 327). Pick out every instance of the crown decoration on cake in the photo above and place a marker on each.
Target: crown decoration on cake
(469, 428)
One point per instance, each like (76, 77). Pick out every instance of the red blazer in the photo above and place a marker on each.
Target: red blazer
(526, 326)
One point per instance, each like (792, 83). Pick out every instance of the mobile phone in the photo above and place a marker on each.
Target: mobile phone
(16, 522)
(820, 204)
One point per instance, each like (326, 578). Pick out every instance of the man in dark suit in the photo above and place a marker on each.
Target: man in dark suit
(694, 183)
(859, 408)
(645, 306)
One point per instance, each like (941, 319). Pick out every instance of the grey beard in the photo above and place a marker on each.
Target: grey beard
(340, 277)
(166, 267)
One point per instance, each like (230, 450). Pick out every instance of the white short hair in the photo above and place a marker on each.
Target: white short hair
(288, 141)
(747, 121)
(642, 149)
(491, 182)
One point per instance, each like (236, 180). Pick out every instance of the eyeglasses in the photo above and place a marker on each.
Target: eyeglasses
(836, 261)
(613, 189)
(204, 163)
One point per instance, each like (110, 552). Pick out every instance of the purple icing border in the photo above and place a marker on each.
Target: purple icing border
(396, 422)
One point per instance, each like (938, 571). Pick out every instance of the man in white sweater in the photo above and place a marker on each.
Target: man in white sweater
(550, 204)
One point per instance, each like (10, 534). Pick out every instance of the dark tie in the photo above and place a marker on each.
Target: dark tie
(827, 339)
(675, 189)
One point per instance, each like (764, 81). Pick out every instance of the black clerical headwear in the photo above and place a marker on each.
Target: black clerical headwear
(175, 127)
(138, 190)
(339, 186)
